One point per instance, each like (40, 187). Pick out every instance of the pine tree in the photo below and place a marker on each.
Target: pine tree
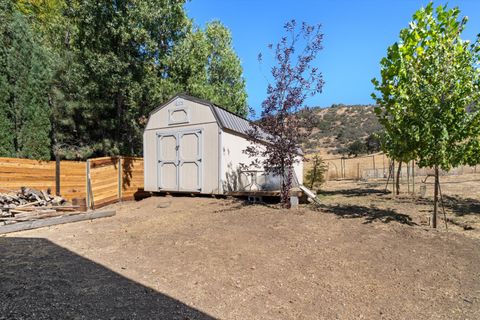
(24, 83)
(34, 135)
(6, 134)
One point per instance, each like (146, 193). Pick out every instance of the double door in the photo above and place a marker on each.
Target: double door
(180, 161)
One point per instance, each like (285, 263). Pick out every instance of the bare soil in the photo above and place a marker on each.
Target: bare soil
(205, 258)
(369, 199)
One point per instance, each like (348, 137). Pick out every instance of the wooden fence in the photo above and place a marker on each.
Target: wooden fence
(99, 181)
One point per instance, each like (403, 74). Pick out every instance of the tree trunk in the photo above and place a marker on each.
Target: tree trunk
(399, 171)
(392, 172)
(119, 101)
(413, 176)
(435, 198)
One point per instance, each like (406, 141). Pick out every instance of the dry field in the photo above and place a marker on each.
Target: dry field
(205, 258)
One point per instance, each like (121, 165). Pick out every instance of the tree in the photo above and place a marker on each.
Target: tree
(87, 73)
(7, 148)
(315, 176)
(278, 132)
(373, 143)
(357, 147)
(34, 135)
(430, 89)
(25, 75)
(122, 48)
(6, 127)
(205, 65)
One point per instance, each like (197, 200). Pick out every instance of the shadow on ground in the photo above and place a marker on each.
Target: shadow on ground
(41, 280)
(355, 192)
(370, 214)
(461, 206)
(457, 205)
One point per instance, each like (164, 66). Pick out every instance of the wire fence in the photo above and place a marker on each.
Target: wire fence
(379, 166)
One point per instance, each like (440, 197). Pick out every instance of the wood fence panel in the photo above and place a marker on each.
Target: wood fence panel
(108, 182)
(132, 176)
(104, 180)
(17, 173)
(73, 181)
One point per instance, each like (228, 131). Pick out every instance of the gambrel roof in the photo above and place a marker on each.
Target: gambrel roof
(225, 118)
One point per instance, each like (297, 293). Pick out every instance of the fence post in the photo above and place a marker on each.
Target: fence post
(383, 162)
(120, 172)
(358, 170)
(341, 167)
(374, 171)
(89, 186)
(57, 175)
(408, 176)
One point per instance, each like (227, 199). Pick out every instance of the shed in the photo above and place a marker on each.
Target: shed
(192, 145)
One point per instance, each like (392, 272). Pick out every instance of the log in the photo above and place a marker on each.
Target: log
(29, 204)
(19, 226)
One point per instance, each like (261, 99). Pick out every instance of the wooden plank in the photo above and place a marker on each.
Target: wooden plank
(104, 187)
(105, 194)
(99, 179)
(26, 165)
(104, 203)
(106, 169)
(99, 162)
(27, 225)
(104, 197)
(21, 160)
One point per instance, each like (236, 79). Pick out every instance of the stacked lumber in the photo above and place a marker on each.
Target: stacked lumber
(30, 204)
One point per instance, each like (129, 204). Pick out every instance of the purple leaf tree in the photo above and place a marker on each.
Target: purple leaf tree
(284, 122)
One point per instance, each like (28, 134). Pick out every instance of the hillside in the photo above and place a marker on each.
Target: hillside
(339, 125)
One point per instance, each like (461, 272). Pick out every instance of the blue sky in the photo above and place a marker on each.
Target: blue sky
(357, 34)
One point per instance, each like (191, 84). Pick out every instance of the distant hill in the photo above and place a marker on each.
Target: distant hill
(339, 125)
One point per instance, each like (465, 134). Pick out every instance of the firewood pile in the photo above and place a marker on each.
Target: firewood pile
(30, 204)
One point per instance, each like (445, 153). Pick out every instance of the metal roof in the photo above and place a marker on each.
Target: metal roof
(232, 121)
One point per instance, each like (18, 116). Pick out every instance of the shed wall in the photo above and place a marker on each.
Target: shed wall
(200, 117)
(233, 159)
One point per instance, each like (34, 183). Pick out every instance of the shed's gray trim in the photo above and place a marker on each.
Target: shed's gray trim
(220, 161)
(181, 108)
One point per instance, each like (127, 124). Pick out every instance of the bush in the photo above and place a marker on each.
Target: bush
(315, 176)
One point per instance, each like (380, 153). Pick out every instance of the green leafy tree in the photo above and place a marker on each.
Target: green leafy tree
(204, 64)
(357, 147)
(80, 77)
(373, 142)
(122, 47)
(430, 89)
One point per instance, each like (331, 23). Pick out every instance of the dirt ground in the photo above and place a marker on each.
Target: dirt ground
(205, 258)
(461, 200)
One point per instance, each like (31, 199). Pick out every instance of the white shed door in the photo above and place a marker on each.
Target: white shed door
(167, 162)
(180, 161)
